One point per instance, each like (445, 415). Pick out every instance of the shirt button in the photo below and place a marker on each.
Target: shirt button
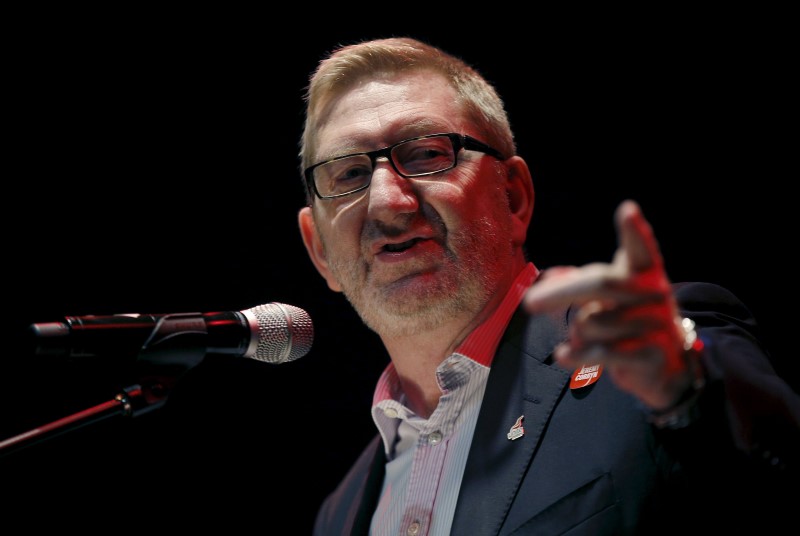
(413, 529)
(390, 412)
(435, 438)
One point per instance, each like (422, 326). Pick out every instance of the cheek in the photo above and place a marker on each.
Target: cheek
(450, 199)
(461, 204)
(341, 234)
(334, 240)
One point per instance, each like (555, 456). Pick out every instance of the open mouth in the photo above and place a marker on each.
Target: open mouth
(402, 246)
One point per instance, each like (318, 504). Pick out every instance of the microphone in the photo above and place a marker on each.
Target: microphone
(274, 333)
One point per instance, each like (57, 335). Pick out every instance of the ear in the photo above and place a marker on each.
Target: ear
(313, 243)
(519, 186)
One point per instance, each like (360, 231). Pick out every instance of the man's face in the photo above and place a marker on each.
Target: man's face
(410, 254)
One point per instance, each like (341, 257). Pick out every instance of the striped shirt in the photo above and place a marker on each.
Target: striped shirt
(426, 457)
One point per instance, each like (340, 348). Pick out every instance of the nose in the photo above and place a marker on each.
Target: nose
(390, 194)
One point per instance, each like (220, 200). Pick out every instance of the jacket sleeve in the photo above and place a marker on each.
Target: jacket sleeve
(759, 409)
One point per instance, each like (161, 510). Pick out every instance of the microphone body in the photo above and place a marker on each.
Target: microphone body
(273, 333)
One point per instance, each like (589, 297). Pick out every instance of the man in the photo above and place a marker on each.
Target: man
(592, 400)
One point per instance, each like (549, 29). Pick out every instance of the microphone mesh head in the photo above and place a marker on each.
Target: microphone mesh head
(285, 332)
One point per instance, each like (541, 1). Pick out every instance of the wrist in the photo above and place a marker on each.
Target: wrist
(684, 410)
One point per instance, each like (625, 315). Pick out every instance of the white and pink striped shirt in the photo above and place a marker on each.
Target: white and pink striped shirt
(426, 457)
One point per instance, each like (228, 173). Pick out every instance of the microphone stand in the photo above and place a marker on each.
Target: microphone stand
(131, 402)
(158, 369)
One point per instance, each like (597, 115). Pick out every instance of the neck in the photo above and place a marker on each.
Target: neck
(416, 357)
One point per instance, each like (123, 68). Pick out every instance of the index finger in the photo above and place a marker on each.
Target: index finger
(637, 243)
(637, 253)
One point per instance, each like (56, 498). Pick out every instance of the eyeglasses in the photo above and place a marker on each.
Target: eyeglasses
(416, 157)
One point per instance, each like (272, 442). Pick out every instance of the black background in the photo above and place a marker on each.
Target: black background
(151, 167)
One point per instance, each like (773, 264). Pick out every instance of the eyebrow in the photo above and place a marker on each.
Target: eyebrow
(343, 147)
(355, 144)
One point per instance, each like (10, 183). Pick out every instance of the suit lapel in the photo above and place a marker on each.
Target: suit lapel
(519, 384)
(371, 492)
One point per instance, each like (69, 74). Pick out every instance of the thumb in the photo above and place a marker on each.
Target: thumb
(635, 238)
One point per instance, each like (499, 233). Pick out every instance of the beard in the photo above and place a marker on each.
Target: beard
(463, 280)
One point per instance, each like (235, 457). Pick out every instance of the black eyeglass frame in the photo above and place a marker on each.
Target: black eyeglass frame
(459, 141)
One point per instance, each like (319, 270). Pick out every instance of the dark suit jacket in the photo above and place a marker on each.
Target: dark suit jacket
(590, 463)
